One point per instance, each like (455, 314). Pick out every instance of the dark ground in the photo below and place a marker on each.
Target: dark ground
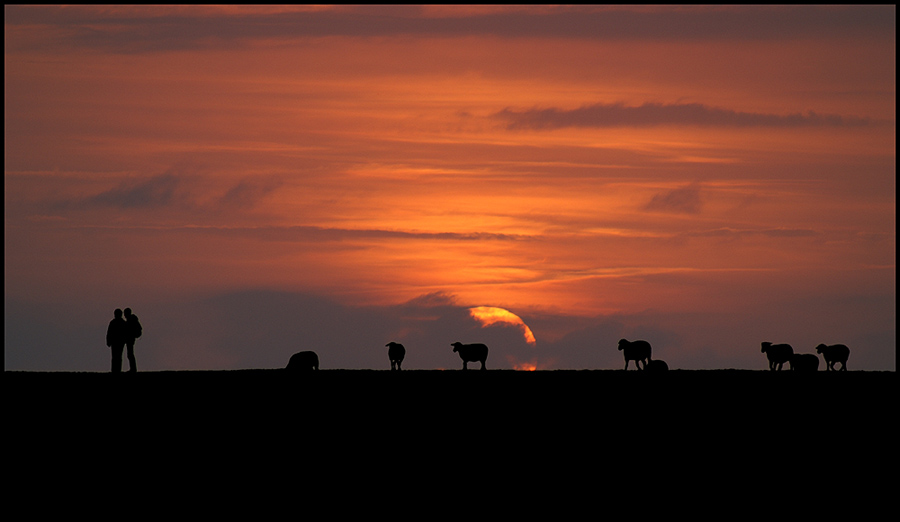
(707, 442)
(495, 398)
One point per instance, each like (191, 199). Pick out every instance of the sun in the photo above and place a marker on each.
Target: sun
(488, 315)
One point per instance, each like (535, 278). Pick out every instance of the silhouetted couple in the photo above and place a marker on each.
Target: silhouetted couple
(122, 332)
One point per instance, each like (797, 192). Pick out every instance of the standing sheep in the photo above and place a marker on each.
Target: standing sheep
(396, 353)
(302, 361)
(637, 351)
(833, 354)
(471, 353)
(778, 354)
(804, 362)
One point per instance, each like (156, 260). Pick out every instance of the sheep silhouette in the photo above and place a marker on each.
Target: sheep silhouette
(778, 354)
(302, 361)
(834, 354)
(656, 365)
(471, 353)
(637, 351)
(396, 353)
(804, 362)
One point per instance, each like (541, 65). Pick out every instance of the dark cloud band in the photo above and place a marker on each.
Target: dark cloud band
(657, 114)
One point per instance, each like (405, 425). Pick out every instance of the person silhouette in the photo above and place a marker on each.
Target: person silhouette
(115, 339)
(132, 332)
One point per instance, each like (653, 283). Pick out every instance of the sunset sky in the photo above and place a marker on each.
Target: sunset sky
(256, 181)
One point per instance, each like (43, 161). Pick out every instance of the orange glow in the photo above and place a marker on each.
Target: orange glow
(373, 155)
(488, 315)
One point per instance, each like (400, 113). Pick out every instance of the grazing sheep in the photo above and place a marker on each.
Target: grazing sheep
(804, 362)
(396, 353)
(778, 354)
(471, 353)
(834, 353)
(302, 361)
(656, 365)
(637, 351)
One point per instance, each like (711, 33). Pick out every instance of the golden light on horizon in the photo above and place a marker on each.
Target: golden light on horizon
(488, 315)
(525, 367)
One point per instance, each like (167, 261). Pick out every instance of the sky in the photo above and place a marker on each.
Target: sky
(257, 181)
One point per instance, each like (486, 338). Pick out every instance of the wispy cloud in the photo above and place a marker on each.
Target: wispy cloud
(173, 27)
(176, 188)
(158, 191)
(733, 233)
(304, 233)
(684, 200)
(654, 114)
(248, 192)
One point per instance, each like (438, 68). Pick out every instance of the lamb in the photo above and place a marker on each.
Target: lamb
(302, 361)
(804, 362)
(637, 351)
(471, 353)
(778, 354)
(396, 353)
(833, 354)
(656, 365)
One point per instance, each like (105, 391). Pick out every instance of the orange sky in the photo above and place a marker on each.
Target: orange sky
(654, 167)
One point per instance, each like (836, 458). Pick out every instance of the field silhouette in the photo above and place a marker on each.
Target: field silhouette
(329, 395)
(561, 434)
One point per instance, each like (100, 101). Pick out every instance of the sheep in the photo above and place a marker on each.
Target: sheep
(834, 353)
(637, 351)
(804, 362)
(396, 353)
(656, 365)
(471, 353)
(778, 354)
(302, 361)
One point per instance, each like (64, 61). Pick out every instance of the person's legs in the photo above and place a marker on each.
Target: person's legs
(117, 359)
(132, 363)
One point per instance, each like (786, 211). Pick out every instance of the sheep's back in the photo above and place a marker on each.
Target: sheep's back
(637, 350)
(779, 352)
(473, 352)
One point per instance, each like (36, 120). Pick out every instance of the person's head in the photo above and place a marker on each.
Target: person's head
(128, 312)
(118, 313)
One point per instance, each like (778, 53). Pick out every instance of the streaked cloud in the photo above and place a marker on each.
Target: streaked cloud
(132, 29)
(682, 200)
(307, 233)
(155, 192)
(656, 114)
(247, 193)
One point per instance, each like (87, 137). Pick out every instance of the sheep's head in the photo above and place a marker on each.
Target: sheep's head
(456, 346)
(765, 346)
(820, 348)
(623, 343)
